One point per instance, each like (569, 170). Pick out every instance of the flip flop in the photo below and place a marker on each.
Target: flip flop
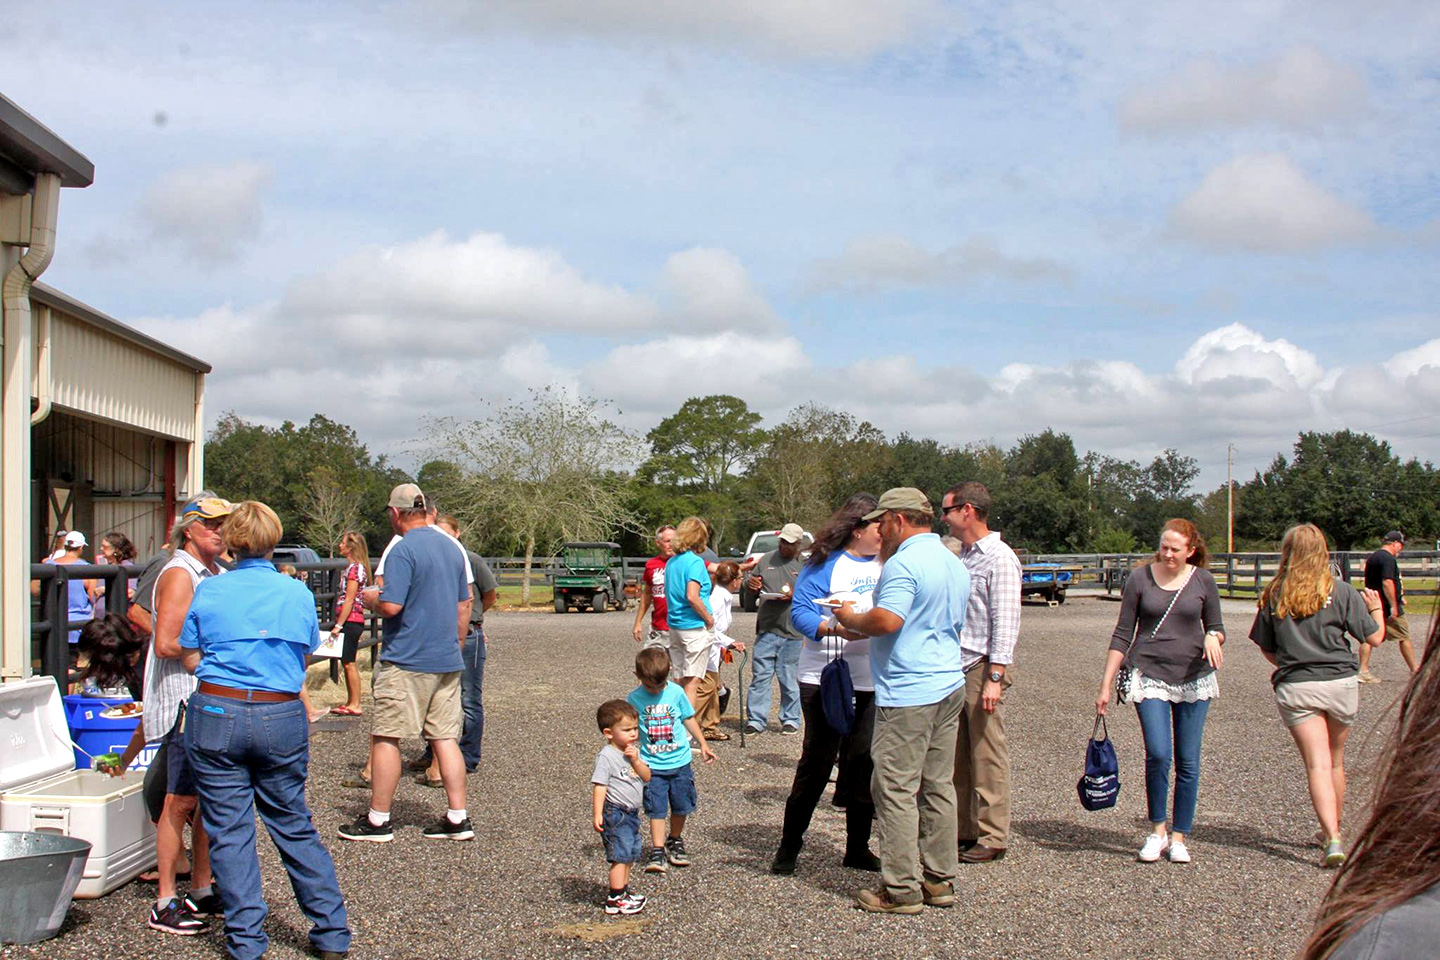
(425, 781)
(717, 735)
(153, 876)
(355, 783)
(346, 712)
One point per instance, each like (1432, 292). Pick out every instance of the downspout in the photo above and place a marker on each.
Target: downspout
(44, 211)
(42, 368)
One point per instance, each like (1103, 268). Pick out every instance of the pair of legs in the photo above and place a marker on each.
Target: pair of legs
(180, 808)
(823, 747)
(775, 656)
(689, 657)
(351, 632)
(472, 733)
(1321, 739)
(1397, 629)
(252, 757)
(385, 771)
(669, 792)
(1172, 732)
(914, 791)
(411, 703)
(982, 764)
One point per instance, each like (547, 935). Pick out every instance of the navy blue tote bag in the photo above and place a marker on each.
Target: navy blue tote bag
(1100, 785)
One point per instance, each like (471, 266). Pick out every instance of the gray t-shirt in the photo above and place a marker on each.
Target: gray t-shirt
(623, 786)
(1408, 930)
(775, 573)
(145, 587)
(1176, 652)
(1316, 647)
(484, 582)
(425, 574)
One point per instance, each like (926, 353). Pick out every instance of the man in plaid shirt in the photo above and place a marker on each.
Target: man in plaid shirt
(987, 650)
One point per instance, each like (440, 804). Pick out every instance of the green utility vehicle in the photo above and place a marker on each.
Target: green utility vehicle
(591, 579)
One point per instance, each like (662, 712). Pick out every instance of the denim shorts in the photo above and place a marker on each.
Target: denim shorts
(179, 775)
(670, 791)
(621, 834)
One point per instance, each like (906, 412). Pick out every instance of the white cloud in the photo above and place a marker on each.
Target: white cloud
(1263, 202)
(842, 29)
(1424, 359)
(210, 213)
(710, 289)
(1300, 88)
(1236, 351)
(880, 261)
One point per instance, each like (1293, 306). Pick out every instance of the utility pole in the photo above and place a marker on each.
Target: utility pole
(1230, 496)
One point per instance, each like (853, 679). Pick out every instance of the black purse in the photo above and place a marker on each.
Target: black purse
(1125, 676)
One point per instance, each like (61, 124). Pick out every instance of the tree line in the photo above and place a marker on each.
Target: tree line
(529, 476)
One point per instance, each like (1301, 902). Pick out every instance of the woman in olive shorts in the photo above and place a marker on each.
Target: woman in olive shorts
(1304, 626)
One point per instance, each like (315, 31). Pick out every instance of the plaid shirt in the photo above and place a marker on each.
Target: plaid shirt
(167, 683)
(992, 615)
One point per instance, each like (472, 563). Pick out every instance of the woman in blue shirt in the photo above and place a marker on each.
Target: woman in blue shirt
(246, 638)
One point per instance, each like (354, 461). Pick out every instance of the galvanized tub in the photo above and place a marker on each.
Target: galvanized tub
(38, 876)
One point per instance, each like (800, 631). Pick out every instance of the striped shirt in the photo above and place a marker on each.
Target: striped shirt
(167, 683)
(992, 617)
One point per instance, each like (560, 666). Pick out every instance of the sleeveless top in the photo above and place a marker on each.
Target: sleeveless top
(167, 683)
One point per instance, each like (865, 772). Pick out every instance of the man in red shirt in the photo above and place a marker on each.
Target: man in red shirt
(652, 593)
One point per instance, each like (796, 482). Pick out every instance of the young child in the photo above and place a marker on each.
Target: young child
(618, 780)
(665, 715)
(709, 700)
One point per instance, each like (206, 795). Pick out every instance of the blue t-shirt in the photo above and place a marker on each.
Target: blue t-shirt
(425, 574)
(928, 587)
(253, 628)
(664, 744)
(682, 569)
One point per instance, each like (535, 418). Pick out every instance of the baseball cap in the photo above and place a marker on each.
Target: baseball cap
(74, 539)
(407, 496)
(1394, 536)
(792, 533)
(900, 498)
(206, 508)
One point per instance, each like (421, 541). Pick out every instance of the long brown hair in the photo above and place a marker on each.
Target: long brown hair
(1191, 533)
(1397, 852)
(841, 526)
(1303, 582)
(353, 546)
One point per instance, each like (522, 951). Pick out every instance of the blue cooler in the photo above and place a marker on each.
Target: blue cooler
(95, 734)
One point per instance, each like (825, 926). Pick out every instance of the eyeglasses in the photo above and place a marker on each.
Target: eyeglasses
(212, 523)
(945, 511)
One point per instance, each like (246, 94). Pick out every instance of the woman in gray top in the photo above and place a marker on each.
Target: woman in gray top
(1170, 634)
(1385, 903)
(1305, 621)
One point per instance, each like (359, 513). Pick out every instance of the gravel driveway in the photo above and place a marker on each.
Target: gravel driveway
(532, 882)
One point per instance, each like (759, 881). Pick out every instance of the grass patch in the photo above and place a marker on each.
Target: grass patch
(509, 596)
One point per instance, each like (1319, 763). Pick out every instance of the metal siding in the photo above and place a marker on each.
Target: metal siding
(104, 376)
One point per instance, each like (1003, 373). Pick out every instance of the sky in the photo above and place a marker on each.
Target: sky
(1148, 224)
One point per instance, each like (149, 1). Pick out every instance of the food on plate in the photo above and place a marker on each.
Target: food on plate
(123, 710)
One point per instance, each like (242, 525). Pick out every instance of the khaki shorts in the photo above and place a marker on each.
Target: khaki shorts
(1338, 699)
(690, 652)
(410, 704)
(1397, 629)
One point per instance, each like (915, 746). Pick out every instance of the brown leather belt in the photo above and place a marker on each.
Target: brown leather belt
(263, 696)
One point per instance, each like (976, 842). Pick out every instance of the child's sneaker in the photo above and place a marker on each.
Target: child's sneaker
(175, 917)
(675, 852)
(656, 862)
(627, 902)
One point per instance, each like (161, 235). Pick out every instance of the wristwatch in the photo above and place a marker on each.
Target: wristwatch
(996, 676)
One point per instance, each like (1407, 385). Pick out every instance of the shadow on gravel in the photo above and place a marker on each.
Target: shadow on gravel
(1249, 838)
(769, 759)
(1067, 837)
(765, 796)
(585, 891)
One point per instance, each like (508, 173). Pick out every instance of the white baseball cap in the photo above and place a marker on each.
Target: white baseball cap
(74, 539)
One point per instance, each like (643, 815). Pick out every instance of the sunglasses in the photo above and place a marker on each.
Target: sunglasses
(945, 511)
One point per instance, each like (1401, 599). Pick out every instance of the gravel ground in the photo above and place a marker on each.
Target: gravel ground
(531, 884)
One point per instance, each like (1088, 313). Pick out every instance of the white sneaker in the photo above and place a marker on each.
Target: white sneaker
(1155, 845)
(1179, 853)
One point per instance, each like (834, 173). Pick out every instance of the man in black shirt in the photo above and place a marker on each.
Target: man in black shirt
(1382, 574)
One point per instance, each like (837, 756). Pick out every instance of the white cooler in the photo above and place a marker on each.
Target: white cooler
(41, 790)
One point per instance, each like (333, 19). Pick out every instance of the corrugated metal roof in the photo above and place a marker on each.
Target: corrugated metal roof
(50, 297)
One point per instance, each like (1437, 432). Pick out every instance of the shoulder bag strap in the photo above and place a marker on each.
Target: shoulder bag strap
(1130, 654)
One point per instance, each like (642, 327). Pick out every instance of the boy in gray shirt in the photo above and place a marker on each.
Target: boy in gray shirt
(618, 782)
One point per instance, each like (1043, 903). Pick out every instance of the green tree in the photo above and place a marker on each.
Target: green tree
(813, 461)
(705, 443)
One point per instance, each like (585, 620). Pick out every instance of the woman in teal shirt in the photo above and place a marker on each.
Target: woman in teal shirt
(246, 638)
(687, 598)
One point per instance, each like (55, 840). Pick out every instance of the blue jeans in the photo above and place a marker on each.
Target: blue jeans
(471, 679)
(248, 757)
(1157, 719)
(779, 657)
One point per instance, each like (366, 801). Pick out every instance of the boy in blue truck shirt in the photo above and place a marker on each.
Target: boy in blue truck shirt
(665, 712)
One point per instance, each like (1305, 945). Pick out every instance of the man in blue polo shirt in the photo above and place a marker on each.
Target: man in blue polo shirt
(915, 661)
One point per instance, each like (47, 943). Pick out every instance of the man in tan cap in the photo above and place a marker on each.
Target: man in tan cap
(777, 642)
(914, 628)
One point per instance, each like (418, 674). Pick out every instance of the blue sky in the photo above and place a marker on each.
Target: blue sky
(1148, 224)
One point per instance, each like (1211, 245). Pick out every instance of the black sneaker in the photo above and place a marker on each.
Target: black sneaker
(627, 903)
(206, 906)
(784, 863)
(175, 917)
(724, 700)
(675, 852)
(445, 830)
(363, 829)
(656, 862)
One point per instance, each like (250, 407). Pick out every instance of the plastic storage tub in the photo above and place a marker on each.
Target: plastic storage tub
(38, 876)
(94, 733)
(41, 791)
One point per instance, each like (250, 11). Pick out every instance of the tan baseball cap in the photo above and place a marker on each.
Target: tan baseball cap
(900, 498)
(407, 496)
(792, 533)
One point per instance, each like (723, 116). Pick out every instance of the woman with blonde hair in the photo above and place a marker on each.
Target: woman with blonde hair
(687, 600)
(1303, 628)
(350, 617)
